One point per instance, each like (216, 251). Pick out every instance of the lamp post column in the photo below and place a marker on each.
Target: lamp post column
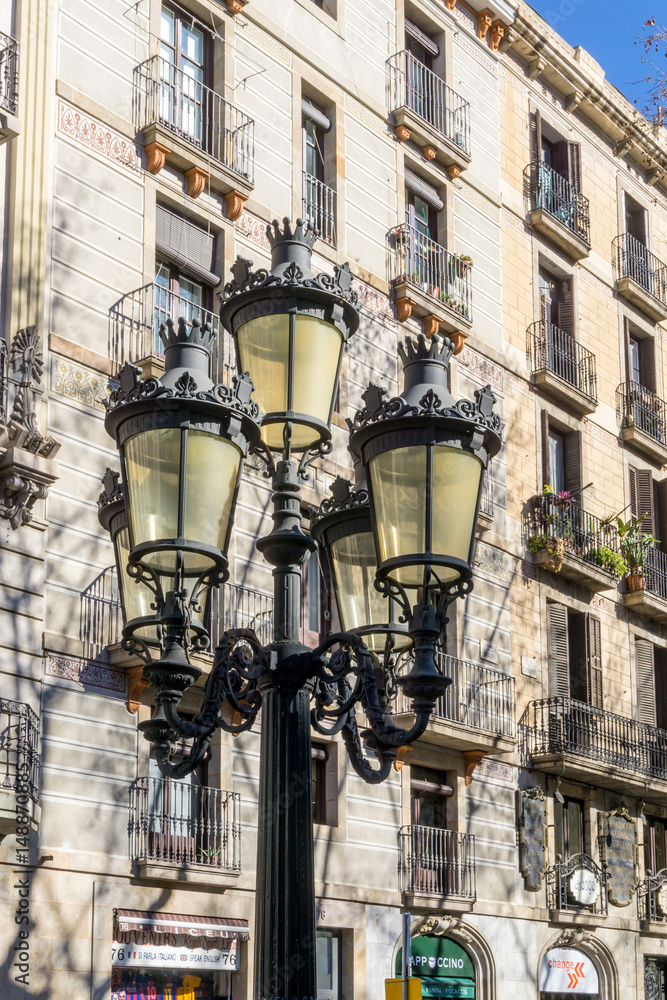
(285, 887)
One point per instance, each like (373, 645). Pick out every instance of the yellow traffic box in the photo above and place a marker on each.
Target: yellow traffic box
(393, 989)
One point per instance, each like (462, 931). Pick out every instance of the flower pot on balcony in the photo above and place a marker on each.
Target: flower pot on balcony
(635, 580)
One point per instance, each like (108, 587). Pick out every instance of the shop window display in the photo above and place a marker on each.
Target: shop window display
(167, 984)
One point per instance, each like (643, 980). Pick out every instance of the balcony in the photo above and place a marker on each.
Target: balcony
(577, 891)
(566, 539)
(437, 868)
(196, 131)
(562, 368)
(185, 832)
(559, 211)
(652, 902)
(429, 113)
(647, 591)
(429, 281)
(476, 713)
(643, 420)
(572, 739)
(19, 767)
(134, 331)
(9, 88)
(641, 277)
(319, 207)
(229, 606)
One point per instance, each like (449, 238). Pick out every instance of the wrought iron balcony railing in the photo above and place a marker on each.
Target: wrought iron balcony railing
(651, 902)
(319, 207)
(634, 260)
(583, 534)
(641, 408)
(652, 576)
(552, 350)
(486, 503)
(230, 606)
(178, 823)
(4, 381)
(436, 862)
(9, 74)
(134, 328)
(561, 726)
(413, 85)
(554, 194)
(420, 261)
(479, 697)
(577, 885)
(196, 114)
(19, 748)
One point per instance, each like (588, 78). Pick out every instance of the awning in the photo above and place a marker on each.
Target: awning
(420, 36)
(315, 114)
(181, 923)
(425, 190)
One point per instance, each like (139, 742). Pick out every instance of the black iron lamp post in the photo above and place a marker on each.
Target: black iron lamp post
(290, 327)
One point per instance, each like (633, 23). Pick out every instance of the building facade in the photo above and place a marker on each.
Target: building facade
(486, 183)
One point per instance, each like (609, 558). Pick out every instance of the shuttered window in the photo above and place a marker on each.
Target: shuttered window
(565, 156)
(575, 655)
(594, 661)
(565, 471)
(568, 828)
(645, 682)
(639, 358)
(566, 307)
(635, 220)
(559, 650)
(535, 137)
(641, 498)
(660, 676)
(190, 247)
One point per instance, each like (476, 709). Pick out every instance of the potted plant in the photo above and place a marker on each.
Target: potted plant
(610, 561)
(633, 545)
(461, 262)
(554, 547)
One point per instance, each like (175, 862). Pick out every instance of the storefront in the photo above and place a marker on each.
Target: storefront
(174, 956)
(566, 972)
(444, 967)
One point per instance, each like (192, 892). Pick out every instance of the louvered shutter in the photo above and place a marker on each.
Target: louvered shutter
(574, 164)
(647, 363)
(660, 515)
(641, 497)
(572, 442)
(546, 472)
(558, 650)
(188, 246)
(645, 681)
(639, 227)
(578, 658)
(594, 661)
(626, 338)
(660, 678)
(566, 307)
(535, 137)
(559, 158)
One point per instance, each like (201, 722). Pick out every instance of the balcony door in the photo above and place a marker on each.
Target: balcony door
(655, 844)
(182, 100)
(433, 866)
(575, 666)
(176, 820)
(569, 828)
(418, 62)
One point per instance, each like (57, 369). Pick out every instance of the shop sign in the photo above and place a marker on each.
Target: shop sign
(618, 848)
(462, 989)
(139, 952)
(566, 970)
(438, 958)
(533, 837)
(584, 886)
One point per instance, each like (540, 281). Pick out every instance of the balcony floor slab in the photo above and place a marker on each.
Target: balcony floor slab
(576, 918)
(160, 871)
(644, 602)
(8, 816)
(447, 152)
(577, 767)
(591, 577)
(424, 303)
(548, 226)
(640, 297)
(456, 736)
(561, 390)
(654, 449)
(419, 902)
(184, 155)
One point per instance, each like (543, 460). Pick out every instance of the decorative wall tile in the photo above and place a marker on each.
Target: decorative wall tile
(514, 382)
(599, 286)
(514, 222)
(471, 22)
(76, 382)
(371, 120)
(600, 434)
(97, 138)
(84, 672)
(268, 42)
(492, 562)
(479, 201)
(481, 368)
(494, 769)
(254, 230)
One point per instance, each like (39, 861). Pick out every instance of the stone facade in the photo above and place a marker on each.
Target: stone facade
(115, 201)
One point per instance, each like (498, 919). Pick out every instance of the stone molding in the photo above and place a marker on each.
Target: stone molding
(84, 672)
(483, 369)
(77, 382)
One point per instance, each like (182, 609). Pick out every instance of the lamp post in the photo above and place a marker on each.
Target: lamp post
(290, 327)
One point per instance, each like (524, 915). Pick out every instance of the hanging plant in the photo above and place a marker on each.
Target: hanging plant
(554, 547)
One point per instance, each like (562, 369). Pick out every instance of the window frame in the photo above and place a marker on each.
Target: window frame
(564, 835)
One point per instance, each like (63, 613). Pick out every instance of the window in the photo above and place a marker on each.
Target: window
(329, 956)
(635, 220)
(639, 358)
(557, 155)
(556, 302)
(429, 792)
(569, 828)
(319, 199)
(575, 656)
(313, 149)
(561, 457)
(648, 501)
(651, 663)
(420, 214)
(182, 94)
(319, 777)
(420, 51)
(655, 844)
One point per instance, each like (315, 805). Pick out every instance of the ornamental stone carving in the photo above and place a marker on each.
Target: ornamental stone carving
(27, 468)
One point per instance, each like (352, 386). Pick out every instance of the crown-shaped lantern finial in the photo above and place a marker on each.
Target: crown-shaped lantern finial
(426, 366)
(292, 249)
(195, 333)
(303, 232)
(437, 349)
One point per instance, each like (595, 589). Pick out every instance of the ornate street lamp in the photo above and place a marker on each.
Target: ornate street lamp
(290, 327)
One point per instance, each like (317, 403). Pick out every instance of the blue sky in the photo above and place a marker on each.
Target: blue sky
(606, 29)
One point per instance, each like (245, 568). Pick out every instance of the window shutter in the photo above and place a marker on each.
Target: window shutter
(660, 515)
(594, 661)
(573, 461)
(647, 363)
(574, 164)
(188, 246)
(566, 307)
(641, 498)
(558, 646)
(626, 339)
(645, 682)
(536, 137)
(578, 659)
(559, 158)
(546, 474)
(420, 36)
(660, 679)
(639, 227)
